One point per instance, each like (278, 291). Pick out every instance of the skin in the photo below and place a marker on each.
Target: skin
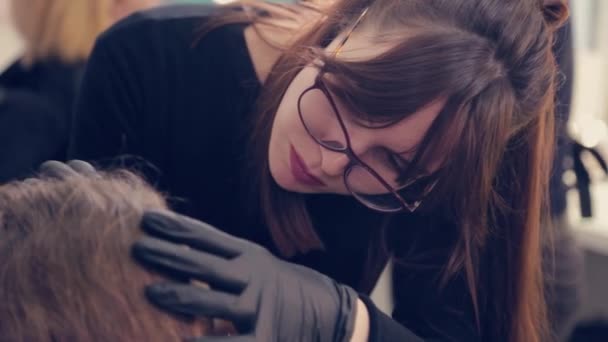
(328, 166)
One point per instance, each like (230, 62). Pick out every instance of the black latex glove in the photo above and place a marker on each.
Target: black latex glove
(268, 299)
(56, 169)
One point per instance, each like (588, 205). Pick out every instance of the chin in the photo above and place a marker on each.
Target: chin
(284, 179)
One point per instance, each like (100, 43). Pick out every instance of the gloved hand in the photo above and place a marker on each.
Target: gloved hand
(268, 299)
(57, 169)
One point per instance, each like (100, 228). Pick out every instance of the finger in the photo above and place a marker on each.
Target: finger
(184, 261)
(83, 168)
(238, 338)
(55, 169)
(196, 301)
(191, 232)
(31, 181)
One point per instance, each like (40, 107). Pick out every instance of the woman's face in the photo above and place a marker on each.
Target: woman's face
(298, 163)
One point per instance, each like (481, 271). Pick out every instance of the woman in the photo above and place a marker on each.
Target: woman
(38, 90)
(66, 274)
(337, 137)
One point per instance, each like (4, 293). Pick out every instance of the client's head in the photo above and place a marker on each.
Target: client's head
(66, 272)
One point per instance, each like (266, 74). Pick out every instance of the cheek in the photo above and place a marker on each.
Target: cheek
(287, 121)
(285, 128)
(283, 125)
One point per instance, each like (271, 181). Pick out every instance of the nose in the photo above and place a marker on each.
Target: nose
(333, 163)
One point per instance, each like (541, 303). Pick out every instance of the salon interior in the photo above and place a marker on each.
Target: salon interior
(585, 170)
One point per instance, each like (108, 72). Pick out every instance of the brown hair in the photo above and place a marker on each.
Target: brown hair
(66, 273)
(492, 61)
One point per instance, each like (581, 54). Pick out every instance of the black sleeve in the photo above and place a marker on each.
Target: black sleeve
(423, 312)
(424, 306)
(129, 79)
(433, 311)
(109, 101)
(384, 328)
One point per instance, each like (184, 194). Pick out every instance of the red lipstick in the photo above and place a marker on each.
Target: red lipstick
(300, 171)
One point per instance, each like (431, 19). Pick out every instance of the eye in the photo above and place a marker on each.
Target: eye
(401, 166)
(398, 163)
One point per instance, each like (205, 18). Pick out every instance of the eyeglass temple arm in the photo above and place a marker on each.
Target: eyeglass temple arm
(350, 32)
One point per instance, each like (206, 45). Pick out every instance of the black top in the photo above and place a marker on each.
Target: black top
(53, 79)
(153, 92)
(35, 106)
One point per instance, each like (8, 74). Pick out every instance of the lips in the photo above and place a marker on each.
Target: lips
(300, 171)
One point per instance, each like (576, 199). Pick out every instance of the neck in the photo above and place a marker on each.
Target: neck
(264, 52)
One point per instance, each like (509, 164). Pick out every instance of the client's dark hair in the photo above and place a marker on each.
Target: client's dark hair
(65, 270)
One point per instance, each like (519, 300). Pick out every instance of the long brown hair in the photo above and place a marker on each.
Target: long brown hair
(492, 61)
(66, 273)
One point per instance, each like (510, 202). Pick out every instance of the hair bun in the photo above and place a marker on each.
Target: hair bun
(556, 12)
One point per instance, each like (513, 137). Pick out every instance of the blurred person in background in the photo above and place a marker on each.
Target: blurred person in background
(66, 271)
(37, 90)
(563, 257)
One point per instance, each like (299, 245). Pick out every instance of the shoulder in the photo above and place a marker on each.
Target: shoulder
(164, 16)
(167, 36)
(157, 27)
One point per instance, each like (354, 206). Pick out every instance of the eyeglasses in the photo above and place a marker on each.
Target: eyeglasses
(378, 187)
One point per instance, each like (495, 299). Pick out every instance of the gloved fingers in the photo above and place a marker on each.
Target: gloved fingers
(191, 232)
(237, 338)
(56, 169)
(31, 181)
(184, 261)
(192, 300)
(83, 168)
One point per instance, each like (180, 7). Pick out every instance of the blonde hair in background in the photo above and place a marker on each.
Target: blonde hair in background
(63, 29)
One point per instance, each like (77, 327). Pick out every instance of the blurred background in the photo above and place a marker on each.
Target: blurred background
(587, 126)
